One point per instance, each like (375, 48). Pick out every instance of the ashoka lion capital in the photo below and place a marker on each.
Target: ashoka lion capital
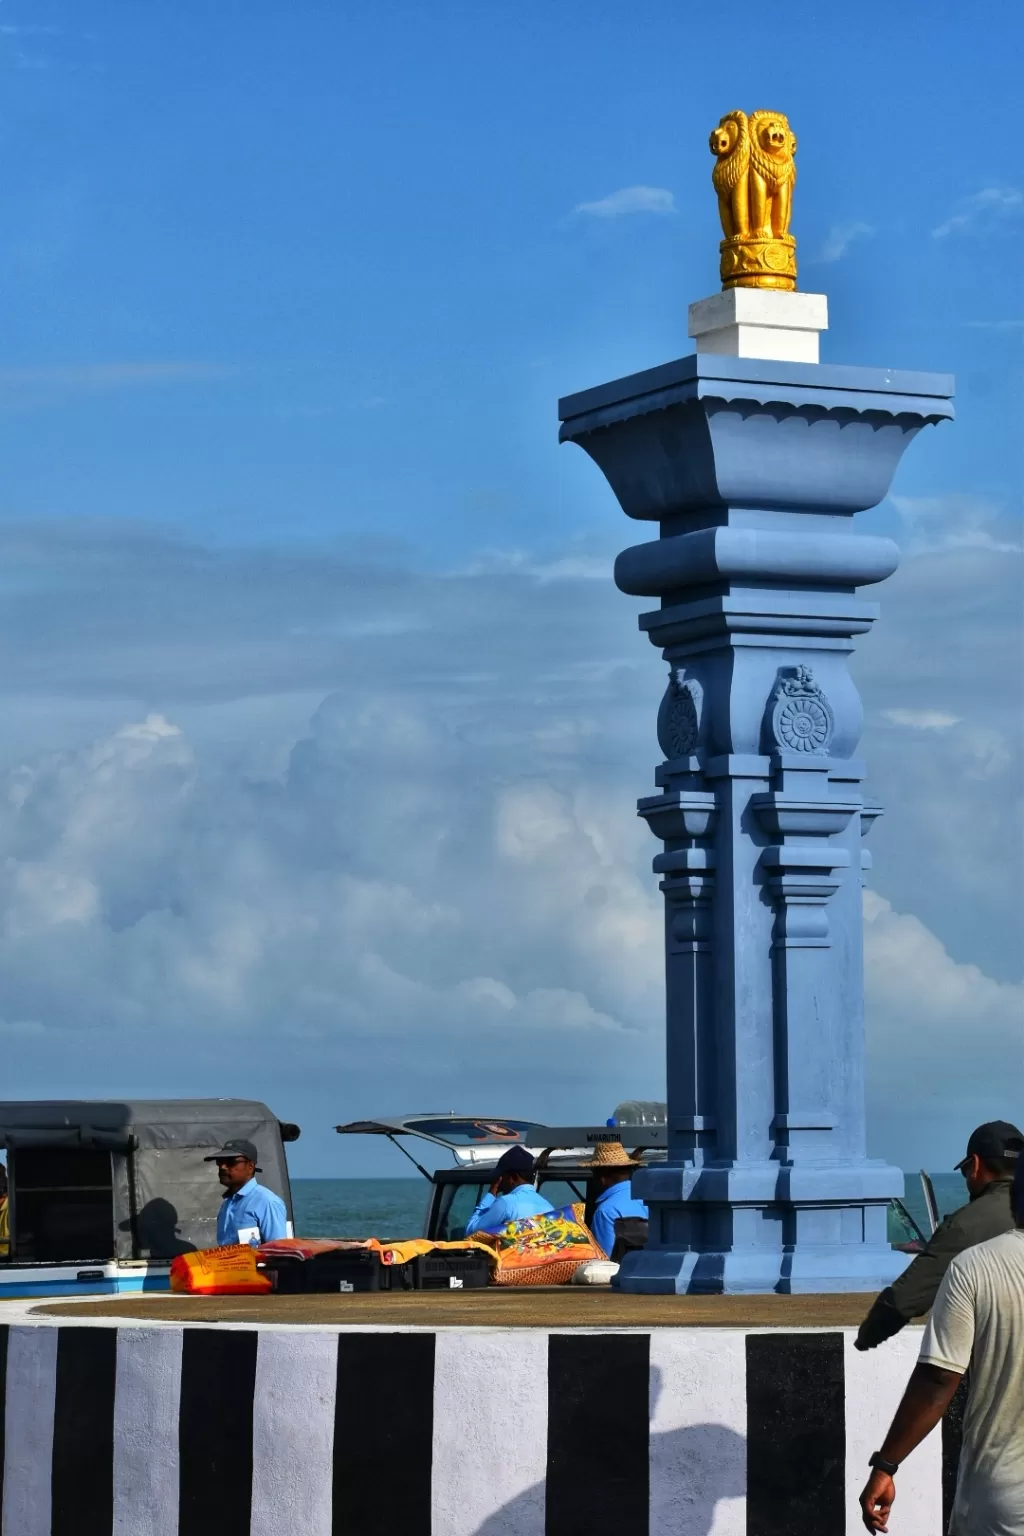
(754, 178)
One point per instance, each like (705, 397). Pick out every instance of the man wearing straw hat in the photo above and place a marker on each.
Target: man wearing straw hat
(612, 1169)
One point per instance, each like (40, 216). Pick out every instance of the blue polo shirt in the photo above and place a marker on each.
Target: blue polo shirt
(251, 1215)
(615, 1201)
(499, 1210)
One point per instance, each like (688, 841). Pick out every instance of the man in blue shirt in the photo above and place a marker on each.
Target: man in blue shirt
(511, 1196)
(250, 1214)
(613, 1168)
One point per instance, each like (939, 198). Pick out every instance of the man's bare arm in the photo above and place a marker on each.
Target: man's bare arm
(929, 1393)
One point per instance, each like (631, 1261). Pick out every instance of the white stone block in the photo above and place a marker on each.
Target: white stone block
(760, 322)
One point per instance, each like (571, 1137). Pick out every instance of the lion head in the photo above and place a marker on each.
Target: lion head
(773, 135)
(730, 131)
(724, 139)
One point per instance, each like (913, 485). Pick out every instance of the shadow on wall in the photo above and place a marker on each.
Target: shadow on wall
(156, 1230)
(691, 1470)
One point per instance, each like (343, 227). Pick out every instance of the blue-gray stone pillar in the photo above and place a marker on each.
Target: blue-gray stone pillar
(755, 471)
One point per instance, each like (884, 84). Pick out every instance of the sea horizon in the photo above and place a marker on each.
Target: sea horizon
(379, 1205)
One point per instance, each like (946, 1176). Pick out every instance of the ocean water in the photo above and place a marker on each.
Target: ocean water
(397, 1207)
(360, 1207)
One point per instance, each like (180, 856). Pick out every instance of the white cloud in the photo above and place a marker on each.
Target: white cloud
(981, 210)
(630, 200)
(567, 565)
(957, 521)
(932, 1020)
(950, 620)
(841, 236)
(908, 969)
(921, 719)
(346, 828)
(158, 909)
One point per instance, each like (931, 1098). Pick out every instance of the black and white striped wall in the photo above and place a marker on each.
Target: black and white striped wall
(225, 1431)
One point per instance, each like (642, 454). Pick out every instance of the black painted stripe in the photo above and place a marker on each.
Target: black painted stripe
(598, 1473)
(4, 1333)
(383, 1433)
(218, 1381)
(82, 1469)
(952, 1439)
(796, 1434)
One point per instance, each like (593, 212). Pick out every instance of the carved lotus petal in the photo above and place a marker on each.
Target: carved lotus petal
(802, 725)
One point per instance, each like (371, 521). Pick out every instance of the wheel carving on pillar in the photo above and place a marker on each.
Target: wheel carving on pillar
(801, 718)
(679, 716)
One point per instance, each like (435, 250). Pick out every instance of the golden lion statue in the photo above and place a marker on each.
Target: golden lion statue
(772, 173)
(753, 176)
(730, 142)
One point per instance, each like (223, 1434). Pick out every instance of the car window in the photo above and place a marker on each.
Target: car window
(900, 1227)
(458, 1202)
(560, 1192)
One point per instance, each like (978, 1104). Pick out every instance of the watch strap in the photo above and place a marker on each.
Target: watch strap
(876, 1459)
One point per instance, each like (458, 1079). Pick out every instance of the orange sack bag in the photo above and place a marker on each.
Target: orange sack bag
(229, 1271)
(541, 1250)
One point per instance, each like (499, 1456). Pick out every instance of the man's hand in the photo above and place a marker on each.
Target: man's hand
(928, 1395)
(876, 1500)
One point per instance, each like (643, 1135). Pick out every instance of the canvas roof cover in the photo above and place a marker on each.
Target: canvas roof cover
(142, 1122)
(173, 1198)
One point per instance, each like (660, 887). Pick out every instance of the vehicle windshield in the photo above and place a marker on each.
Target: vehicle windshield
(458, 1202)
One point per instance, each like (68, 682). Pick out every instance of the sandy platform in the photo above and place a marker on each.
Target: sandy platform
(554, 1307)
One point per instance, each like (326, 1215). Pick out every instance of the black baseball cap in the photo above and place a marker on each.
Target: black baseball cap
(993, 1140)
(515, 1160)
(232, 1149)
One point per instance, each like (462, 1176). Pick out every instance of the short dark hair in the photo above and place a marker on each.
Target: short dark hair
(1017, 1193)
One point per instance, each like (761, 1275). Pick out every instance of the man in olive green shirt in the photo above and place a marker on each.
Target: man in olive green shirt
(988, 1169)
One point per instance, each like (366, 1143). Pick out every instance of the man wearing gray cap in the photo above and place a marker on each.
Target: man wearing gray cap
(988, 1169)
(249, 1213)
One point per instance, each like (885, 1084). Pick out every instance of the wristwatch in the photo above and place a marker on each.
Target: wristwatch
(876, 1459)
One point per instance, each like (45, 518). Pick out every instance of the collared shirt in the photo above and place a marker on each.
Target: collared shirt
(251, 1215)
(978, 1321)
(499, 1210)
(615, 1201)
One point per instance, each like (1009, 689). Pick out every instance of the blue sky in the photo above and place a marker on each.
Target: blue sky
(315, 679)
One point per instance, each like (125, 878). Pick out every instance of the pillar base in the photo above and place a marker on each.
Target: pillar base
(760, 1227)
(803, 1271)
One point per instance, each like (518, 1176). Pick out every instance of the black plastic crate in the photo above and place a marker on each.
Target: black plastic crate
(360, 1269)
(343, 1270)
(440, 1271)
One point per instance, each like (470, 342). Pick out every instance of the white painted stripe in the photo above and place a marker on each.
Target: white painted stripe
(293, 1434)
(490, 1433)
(698, 1432)
(146, 1432)
(28, 1456)
(875, 1382)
